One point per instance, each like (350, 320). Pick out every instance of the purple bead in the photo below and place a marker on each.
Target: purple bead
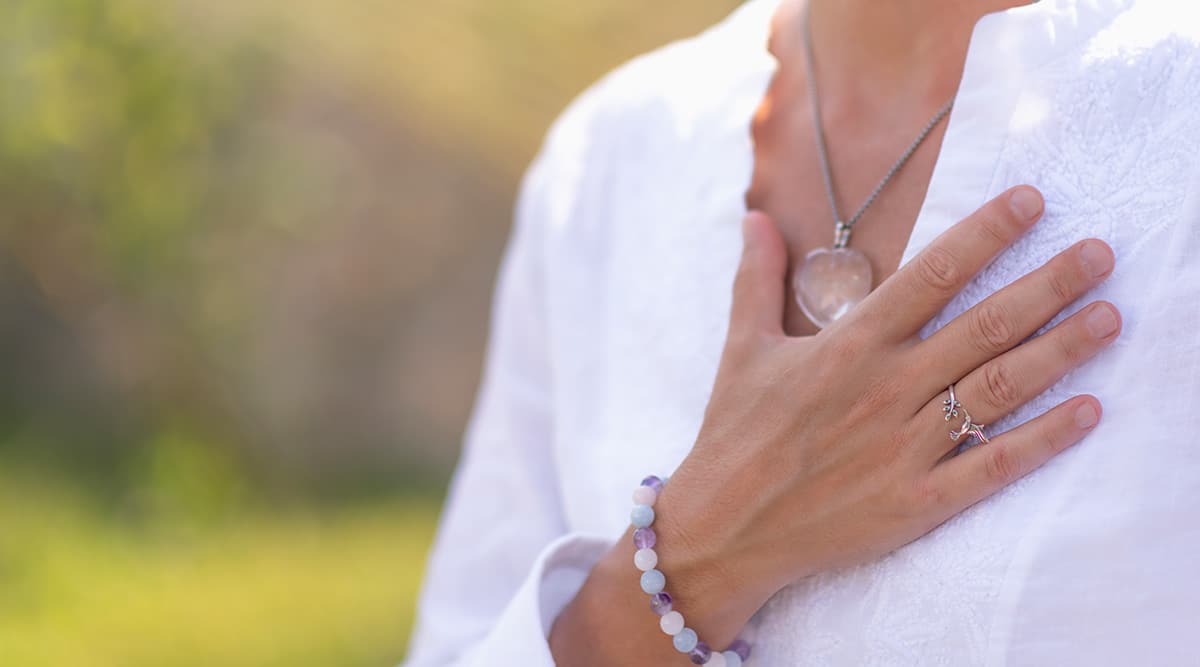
(740, 647)
(661, 603)
(653, 482)
(701, 653)
(644, 538)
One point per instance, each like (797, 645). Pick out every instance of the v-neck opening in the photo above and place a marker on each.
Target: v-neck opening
(978, 125)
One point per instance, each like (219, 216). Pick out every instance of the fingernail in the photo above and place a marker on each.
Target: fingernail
(1097, 258)
(1102, 322)
(1026, 203)
(1086, 416)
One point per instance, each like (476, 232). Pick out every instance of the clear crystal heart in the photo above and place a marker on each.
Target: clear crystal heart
(830, 283)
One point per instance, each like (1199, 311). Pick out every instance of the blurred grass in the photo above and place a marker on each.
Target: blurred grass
(263, 588)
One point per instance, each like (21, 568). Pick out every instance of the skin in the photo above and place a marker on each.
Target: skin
(824, 450)
(876, 92)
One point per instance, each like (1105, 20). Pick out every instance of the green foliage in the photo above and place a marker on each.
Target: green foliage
(114, 134)
(107, 121)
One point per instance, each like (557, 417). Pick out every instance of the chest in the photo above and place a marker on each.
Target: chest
(638, 287)
(788, 182)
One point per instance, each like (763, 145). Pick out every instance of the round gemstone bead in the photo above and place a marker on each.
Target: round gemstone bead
(671, 622)
(661, 603)
(642, 516)
(740, 647)
(644, 495)
(732, 659)
(685, 640)
(644, 538)
(653, 482)
(718, 660)
(653, 581)
(645, 559)
(701, 654)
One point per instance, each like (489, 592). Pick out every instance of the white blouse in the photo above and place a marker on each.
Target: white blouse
(611, 311)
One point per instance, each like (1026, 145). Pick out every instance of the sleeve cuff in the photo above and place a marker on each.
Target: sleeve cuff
(521, 632)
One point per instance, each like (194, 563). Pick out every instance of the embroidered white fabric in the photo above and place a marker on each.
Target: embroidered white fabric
(612, 307)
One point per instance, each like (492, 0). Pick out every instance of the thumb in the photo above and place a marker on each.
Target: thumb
(758, 290)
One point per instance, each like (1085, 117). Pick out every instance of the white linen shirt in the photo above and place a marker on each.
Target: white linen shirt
(611, 312)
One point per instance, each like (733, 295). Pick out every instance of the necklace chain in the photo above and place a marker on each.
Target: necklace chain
(842, 227)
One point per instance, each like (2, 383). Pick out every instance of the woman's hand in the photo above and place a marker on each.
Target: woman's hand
(831, 450)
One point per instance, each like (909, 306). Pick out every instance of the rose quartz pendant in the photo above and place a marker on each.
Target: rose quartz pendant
(831, 282)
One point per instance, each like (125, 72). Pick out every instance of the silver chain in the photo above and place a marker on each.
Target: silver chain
(843, 227)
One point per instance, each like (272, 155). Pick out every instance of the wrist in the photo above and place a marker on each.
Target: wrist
(715, 588)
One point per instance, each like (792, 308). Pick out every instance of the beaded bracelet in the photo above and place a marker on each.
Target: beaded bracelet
(654, 581)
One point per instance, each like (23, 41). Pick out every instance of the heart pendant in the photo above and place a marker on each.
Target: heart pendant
(830, 282)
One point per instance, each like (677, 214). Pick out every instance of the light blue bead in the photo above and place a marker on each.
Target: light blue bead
(686, 640)
(732, 659)
(642, 516)
(653, 581)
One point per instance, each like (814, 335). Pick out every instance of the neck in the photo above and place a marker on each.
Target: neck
(916, 46)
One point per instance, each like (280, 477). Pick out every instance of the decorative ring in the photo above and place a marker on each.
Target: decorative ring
(951, 407)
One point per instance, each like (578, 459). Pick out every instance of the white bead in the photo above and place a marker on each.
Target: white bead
(731, 659)
(671, 623)
(645, 559)
(717, 660)
(641, 516)
(644, 495)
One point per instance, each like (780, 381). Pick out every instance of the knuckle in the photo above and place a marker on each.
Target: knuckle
(738, 342)
(994, 225)
(1068, 347)
(884, 390)
(929, 495)
(843, 348)
(1001, 464)
(1050, 440)
(938, 269)
(992, 328)
(899, 444)
(1000, 389)
(1061, 287)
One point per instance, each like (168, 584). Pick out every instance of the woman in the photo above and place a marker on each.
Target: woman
(817, 505)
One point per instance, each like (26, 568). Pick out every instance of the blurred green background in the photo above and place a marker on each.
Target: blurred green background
(246, 253)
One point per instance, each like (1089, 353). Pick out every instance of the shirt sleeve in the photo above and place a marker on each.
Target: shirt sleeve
(503, 563)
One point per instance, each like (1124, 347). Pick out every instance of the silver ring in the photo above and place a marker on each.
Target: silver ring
(951, 407)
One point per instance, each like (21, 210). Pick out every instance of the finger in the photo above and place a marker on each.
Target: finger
(998, 323)
(1017, 377)
(923, 286)
(985, 469)
(758, 289)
